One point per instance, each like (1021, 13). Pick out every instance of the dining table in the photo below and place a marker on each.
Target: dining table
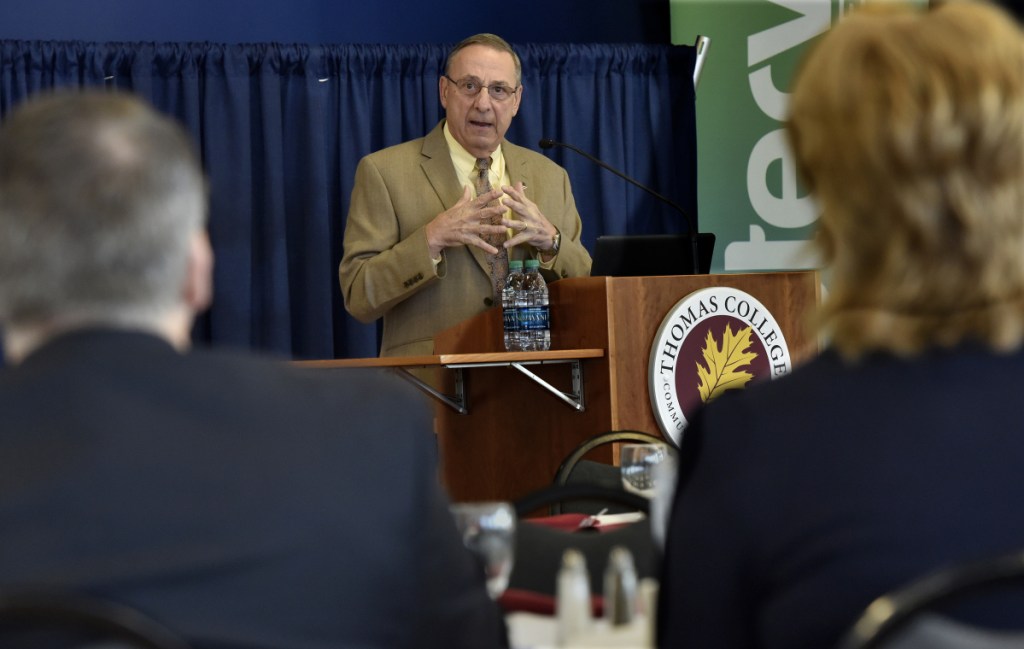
(532, 617)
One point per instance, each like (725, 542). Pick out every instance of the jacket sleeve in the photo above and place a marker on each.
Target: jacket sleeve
(572, 259)
(456, 612)
(380, 266)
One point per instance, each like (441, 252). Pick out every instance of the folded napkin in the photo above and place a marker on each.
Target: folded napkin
(573, 522)
(528, 601)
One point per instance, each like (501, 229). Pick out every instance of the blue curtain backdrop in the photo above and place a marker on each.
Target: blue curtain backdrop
(281, 128)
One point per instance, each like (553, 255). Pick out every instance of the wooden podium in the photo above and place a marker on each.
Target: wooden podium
(515, 432)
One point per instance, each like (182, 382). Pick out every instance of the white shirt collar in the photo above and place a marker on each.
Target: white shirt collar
(465, 162)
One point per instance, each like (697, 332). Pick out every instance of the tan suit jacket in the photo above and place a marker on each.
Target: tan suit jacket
(386, 270)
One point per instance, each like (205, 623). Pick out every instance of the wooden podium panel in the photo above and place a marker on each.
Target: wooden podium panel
(639, 305)
(515, 434)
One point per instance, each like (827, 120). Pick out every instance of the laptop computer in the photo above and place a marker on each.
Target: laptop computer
(636, 255)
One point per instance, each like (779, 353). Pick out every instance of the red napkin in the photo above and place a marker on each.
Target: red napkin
(528, 601)
(565, 522)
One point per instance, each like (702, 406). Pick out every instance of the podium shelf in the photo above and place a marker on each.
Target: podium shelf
(458, 362)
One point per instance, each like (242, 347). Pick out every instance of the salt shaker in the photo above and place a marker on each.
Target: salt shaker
(620, 587)
(572, 602)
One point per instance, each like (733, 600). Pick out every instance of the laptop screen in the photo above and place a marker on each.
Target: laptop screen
(637, 255)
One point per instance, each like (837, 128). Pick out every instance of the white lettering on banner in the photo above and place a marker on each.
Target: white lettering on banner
(770, 99)
(815, 17)
(759, 253)
(788, 210)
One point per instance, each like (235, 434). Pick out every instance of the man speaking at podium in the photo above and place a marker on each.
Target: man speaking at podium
(432, 222)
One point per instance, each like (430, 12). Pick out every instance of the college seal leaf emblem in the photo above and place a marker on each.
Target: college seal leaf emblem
(722, 363)
(712, 341)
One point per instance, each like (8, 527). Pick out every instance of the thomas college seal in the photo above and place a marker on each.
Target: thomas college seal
(711, 341)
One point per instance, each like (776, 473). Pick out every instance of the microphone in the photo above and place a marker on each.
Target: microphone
(547, 143)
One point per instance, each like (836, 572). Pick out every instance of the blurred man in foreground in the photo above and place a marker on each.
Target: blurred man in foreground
(240, 502)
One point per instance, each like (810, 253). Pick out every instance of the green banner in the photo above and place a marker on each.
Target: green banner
(748, 194)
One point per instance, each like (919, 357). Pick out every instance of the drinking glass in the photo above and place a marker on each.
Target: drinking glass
(488, 530)
(638, 464)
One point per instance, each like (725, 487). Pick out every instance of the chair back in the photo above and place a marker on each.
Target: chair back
(907, 618)
(539, 548)
(930, 631)
(576, 469)
(98, 623)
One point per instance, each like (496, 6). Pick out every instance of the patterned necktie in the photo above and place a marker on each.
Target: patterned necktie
(498, 262)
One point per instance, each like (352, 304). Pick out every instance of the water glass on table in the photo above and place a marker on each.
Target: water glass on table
(488, 530)
(650, 471)
(638, 464)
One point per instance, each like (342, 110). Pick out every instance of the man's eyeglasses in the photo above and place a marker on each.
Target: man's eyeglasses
(471, 87)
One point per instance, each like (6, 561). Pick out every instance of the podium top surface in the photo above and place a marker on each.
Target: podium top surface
(448, 360)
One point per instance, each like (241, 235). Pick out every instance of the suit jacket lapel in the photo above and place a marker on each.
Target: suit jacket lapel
(515, 162)
(440, 173)
(437, 166)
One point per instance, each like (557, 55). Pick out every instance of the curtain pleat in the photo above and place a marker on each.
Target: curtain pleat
(280, 129)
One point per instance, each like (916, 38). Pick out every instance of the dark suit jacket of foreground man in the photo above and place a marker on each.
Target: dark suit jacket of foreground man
(243, 503)
(386, 270)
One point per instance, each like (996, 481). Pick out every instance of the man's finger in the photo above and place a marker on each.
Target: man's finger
(467, 194)
(492, 195)
(492, 228)
(483, 245)
(489, 212)
(516, 240)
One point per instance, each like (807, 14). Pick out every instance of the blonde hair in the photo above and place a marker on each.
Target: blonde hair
(908, 126)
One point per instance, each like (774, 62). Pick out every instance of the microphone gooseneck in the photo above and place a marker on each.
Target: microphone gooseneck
(547, 143)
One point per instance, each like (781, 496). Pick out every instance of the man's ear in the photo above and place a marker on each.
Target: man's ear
(197, 293)
(442, 92)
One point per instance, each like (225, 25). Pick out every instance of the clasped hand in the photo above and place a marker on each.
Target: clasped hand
(473, 219)
(468, 222)
(530, 227)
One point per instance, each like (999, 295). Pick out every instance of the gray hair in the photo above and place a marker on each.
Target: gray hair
(100, 196)
(487, 40)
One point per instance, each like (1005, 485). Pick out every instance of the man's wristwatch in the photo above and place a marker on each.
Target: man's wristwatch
(556, 242)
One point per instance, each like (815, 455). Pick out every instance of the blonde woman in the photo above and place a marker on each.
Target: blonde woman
(900, 448)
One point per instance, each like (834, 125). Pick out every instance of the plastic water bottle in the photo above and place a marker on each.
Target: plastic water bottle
(520, 303)
(535, 314)
(509, 308)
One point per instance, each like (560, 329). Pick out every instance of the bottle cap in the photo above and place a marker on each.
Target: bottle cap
(573, 560)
